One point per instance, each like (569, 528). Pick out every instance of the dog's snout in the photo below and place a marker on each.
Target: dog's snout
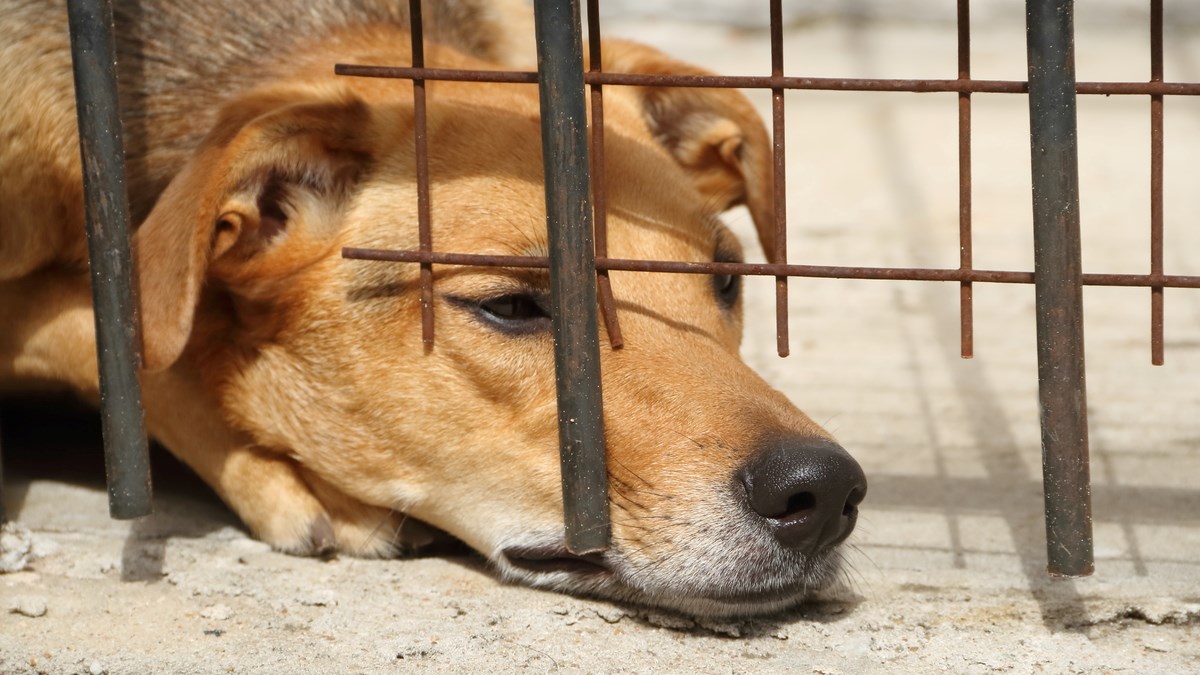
(807, 491)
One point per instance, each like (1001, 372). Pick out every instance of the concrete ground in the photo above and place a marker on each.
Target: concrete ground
(949, 557)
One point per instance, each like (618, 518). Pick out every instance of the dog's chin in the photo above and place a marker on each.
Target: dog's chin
(736, 593)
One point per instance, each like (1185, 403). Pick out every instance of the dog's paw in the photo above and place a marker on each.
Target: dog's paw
(280, 506)
(297, 512)
(352, 527)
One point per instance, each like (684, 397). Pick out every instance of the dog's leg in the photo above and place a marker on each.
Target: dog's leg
(50, 336)
(282, 504)
(365, 530)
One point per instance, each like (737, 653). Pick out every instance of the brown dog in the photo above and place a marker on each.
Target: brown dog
(295, 382)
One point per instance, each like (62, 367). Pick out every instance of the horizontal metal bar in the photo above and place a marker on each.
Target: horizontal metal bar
(773, 82)
(771, 269)
(442, 74)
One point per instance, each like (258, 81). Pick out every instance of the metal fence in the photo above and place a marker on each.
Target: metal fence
(579, 264)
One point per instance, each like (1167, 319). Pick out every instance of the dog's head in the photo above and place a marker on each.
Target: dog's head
(724, 497)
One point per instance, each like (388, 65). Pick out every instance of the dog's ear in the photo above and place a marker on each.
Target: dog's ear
(715, 134)
(255, 202)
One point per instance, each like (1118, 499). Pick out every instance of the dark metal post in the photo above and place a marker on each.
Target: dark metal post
(118, 333)
(572, 275)
(3, 514)
(1058, 279)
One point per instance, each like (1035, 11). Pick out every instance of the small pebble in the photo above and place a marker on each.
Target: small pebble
(29, 606)
(610, 614)
(96, 668)
(672, 621)
(16, 547)
(320, 598)
(216, 613)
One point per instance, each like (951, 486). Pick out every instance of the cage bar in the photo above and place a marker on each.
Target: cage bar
(1156, 183)
(3, 513)
(953, 274)
(572, 275)
(1058, 286)
(421, 150)
(913, 86)
(966, 306)
(608, 306)
(778, 254)
(118, 328)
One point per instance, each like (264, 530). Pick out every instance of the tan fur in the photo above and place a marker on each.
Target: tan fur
(295, 382)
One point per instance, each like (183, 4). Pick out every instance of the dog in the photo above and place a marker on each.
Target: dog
(296, 383)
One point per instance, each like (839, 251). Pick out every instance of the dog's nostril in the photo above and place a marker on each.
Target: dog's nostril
(855, 498)
(806, 491)
(799, 504)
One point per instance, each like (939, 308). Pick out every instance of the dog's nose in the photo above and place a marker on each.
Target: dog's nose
(807, 491)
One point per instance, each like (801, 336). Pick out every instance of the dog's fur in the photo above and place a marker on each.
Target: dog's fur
(295, 382)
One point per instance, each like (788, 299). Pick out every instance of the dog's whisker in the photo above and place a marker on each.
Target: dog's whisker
(631, 472)
(698, 444)
(393, 540)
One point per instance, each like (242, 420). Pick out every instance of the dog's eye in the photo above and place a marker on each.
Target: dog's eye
(514, 308)
(514, 313)
(727, 286)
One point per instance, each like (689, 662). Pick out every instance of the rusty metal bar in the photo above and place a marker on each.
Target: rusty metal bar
(572, 275)
(966, 306)
(1058, 276)
(118, 329)
(771, 270)
(421, 148)
(1156, 182)
(779, 188)
(608, 306)
(927, 86)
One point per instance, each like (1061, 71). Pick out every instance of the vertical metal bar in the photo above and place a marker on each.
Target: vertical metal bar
(965, 290)
(1156, 183)
(1058, 275)
(118, 329)
(421, 143)
(608, 305)
(779, 194)
(3, 514)
(572, 275)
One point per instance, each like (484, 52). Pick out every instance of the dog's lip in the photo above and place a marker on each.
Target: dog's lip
(544, 559)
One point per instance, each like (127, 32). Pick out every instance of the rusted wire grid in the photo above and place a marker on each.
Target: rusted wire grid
(964, 87)
(1157, 88)
(118, 328)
